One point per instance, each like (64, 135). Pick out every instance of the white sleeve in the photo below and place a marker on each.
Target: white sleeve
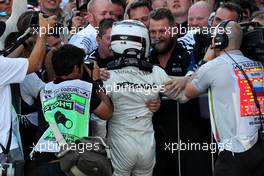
(163, 77)
(82, 42)
(18, 7)
(12, 70)
(31, 87)
(187, 41)
(204, 77)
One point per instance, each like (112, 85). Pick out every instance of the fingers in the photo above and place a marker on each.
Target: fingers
(104, 74)
(153, 105)
(174, 87)
(171, 87)
(45, 24)
(96, 71)
(210, 54)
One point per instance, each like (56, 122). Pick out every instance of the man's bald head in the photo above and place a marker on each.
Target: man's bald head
(199, 13)
(94, 4)
(234, 34)
(97, 10)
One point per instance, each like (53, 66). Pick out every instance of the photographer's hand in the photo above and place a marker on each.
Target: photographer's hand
(104, 74)
(38, 53)
(45, 24)
(210, 54)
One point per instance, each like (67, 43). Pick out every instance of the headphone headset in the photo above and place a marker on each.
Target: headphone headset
(221, 39)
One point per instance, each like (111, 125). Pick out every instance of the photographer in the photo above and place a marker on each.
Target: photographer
(14, 71)
(73, 121)
(232, 79)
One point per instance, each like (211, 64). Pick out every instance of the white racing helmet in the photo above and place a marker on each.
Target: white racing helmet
(130, 37)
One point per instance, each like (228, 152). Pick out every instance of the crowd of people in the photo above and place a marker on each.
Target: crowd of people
(161, 80)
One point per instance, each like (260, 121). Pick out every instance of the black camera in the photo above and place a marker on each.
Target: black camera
(253, 41)
(203, 39)
(57, 29)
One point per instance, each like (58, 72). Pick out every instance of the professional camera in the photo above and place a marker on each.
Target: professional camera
(34, 23)
(252, 44)
(253, 41)
(203, 40)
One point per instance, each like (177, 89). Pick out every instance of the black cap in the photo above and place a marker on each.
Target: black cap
(2, 28)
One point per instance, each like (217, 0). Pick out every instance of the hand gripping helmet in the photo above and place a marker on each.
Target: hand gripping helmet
(130, 37)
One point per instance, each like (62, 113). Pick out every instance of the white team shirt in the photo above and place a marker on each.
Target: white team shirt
(85, 39)
(130, 110)
(234, 116)
(11, 71)
(30, 88)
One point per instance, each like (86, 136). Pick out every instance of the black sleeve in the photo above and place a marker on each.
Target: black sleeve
(95, 100)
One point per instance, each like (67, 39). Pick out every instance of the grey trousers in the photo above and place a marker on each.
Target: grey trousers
(13, 155)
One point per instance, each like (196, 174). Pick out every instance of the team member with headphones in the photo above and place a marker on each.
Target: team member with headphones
(235, 89)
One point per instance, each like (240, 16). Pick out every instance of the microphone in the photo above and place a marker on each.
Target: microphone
(20, 40)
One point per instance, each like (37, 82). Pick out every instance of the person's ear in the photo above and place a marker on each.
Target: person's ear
(213, 43)
(98, 39)
(89, 17)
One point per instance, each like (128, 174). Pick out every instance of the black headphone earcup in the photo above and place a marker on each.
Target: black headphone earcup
(221, 39)
(225, 41)
(218, 40)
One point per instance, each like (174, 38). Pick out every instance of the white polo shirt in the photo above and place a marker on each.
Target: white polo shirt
(11, 71)
(85, 39)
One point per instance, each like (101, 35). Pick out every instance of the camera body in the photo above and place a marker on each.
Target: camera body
(34, 23)
(253, 41)
(252, 44)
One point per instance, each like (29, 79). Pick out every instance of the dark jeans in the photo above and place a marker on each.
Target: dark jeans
(49, 169)
(248, 163)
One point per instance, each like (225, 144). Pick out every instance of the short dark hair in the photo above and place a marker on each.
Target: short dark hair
(233, 7)
(23, 22)
(139, 3)
(65, 58)
(104, 25)
(161, 13)
(119, 2)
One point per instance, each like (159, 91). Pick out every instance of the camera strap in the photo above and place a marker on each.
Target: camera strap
(6, 149)
(252, 90)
